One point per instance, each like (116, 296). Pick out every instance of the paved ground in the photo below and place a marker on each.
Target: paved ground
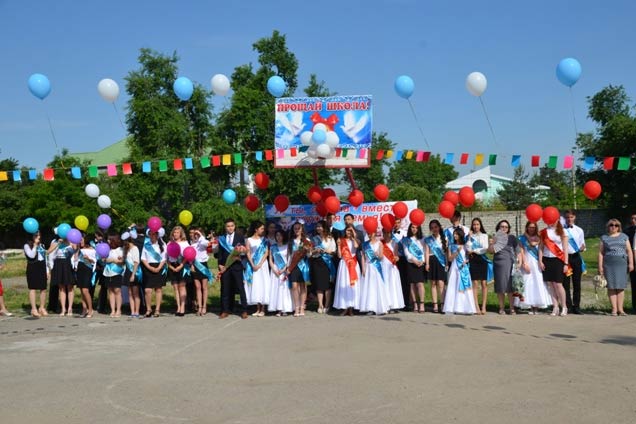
(319, 369)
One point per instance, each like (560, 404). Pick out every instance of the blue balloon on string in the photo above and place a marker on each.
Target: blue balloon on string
(319, 136)
(31, 225)
(39, 86)
(568, 71)
(276, 86)
(404, 86)
(229, 196)
(183, 88)
(63, 229)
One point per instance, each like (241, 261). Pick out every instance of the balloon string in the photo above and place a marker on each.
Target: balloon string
(59, 152)
(118, 214)
(576, 131)
(417, 121)
(119, 117)
(576, 134)
(492, 131)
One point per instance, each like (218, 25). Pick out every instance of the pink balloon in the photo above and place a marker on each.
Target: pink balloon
(154, 223)
(173, 249)
(189, 254)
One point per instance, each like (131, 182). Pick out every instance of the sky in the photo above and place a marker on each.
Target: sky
(356, 47)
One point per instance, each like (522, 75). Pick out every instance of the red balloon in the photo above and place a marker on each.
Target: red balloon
(321, 209)
(381, 192)
(592, 189)
(189, 254)
(327, 192)
(261, 180)
(446, 209)
(452, 197)
(314, 194)
(251, 202)
(356, 198)
(417, 216)
(332, 204)
(370, 224)
(281, 202)
(550, 215)
(534, 212)
(388, 221)
(466, 196)
(400, 209)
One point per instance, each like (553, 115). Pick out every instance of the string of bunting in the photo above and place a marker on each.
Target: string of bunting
(620, 163)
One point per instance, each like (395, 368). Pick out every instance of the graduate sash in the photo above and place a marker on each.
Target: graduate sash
(556, 250)
(372, 258)
(576, 249)
(85, 261)
(464, 282)
(413, 248)
(156, 256)
(435, 247)
(299, 259)
(225, 245)
(326, 257)
(130, 265)
(532, 250)
(350, 261)
(387, 249)
(279, 261)
(248, 274)
(202, 270)
(490, 273)
(114, 268)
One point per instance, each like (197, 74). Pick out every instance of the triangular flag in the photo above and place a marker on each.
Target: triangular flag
(588, 163)
(177, 164)
(163, 165)
(93, 172)
(111, 170)
(188, 163)
(568, 162)
(269, 155)
(535, 161)
(463, 160)
(492, 159)
(379, 155)
(205, 162)
(516, 160)
(4, 176)
(479, 159)
(76, 172)
(33, 174)
(17, 176)
(449, 158)
(146, 167)
(49, 174)
(126, 168)
(216, 160)
(226, 159)
(608, 163)
(259, 155)
(623, 163)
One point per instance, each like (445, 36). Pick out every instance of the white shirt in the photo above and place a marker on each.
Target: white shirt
(577, 234)
(32, 252)
(483, 241)
(133, 255)
(552, 235)
(150, 258)
(89, 253)
(114, 254)
(409, 255)
(201, 247)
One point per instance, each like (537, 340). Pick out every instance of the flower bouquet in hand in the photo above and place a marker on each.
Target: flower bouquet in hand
(235, 255)
(300, 253)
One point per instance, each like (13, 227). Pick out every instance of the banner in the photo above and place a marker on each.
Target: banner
(324, 125)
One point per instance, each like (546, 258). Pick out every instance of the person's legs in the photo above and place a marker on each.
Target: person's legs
(620, 300)
(42, 309)
(612, 298)
(118, 301)
(295, 291)
(148, 299)
(34, 306)
(204, 296)
(62, 293)
(484, 295)
(158, 297)
(501, 297)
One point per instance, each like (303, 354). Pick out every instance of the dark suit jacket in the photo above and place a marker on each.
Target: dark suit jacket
(630, 233)
(223, 254)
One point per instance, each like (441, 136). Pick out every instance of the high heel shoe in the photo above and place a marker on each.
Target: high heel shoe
(555, 311)
(564, 312)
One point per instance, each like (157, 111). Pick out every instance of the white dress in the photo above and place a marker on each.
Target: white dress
(459, 301)
(259, 290)
(374, 294)
(393, 281)
(280, 295)
(347, 296)
(535, 291)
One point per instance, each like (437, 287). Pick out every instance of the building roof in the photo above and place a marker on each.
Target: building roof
(483, 177)
(113, 153)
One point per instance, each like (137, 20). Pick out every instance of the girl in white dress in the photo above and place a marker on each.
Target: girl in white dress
(200, 272)
(391, 272)
(535, 291)
(347, 295)
(256, 274)
(459, 297)
(374, 295)
(280, 297)
(176, 266)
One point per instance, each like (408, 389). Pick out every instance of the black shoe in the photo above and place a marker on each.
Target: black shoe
(577, 311)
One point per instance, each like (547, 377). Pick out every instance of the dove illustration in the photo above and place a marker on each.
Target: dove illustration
(295, 125)
(354, 129)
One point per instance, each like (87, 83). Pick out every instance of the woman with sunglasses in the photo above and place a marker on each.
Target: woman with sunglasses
(615, 261)
(503, 246)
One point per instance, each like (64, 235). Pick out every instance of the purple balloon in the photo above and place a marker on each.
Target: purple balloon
(74, 236)
(102, 249)
(104, 221)
(173, 249)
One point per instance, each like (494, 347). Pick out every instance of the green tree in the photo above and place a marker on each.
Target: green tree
(518, 193)
(367, 178)
(11, 200)
(432, 175)
(560, 183)
(425, 200)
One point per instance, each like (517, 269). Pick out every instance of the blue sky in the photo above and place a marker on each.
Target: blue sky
(357, 47)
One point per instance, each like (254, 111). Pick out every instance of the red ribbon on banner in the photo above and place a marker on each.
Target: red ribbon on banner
(330, 122)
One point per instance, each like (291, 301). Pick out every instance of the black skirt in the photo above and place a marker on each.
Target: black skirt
(36, 275)
(196, 274)
(175, 277)
(62, 273)
(154, 280)
(436, 271)
(113, 282)
(127, 281)
(296, 276)
(84, 276)
(319, 274)
(415, 274)
(478, 268)
(553, 269)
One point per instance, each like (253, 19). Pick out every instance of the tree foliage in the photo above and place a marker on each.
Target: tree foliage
(518, 193)
(367, 178)
(432, 175)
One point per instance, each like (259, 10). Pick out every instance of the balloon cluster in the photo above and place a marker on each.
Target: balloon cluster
(321, 140)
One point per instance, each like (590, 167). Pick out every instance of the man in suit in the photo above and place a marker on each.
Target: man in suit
(232, 276)
(576, 245)
(349, 220)
(334, 233)
(631, 233)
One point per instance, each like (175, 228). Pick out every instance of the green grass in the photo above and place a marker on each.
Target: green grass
(15, 266)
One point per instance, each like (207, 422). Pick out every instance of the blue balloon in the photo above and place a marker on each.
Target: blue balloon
(319, 136)
(31, 225)
(276, 86)
(404, 86)
(568, 71)
(183, 88)
(63, 229)
(39, 85)
(229, 196)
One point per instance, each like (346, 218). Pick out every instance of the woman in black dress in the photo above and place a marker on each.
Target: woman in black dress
(477, 246)
(153, 258)
(36, 273)
(322, 267)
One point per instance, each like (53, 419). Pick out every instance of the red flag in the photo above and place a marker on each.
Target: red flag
(535, 160)
(48, 174)
(216, 160)
(463, 160)
(269, 155)
(126, 168)
(608, 163)
(177, 164)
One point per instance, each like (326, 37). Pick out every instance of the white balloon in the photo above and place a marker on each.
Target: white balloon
(332, 139)
(92, 190)
(320, 126)
(305, 138)
(323, 151)
(220, 84)
(108, 89)
(311, 152)
(476, 83)
(103, 201)
(161, 232)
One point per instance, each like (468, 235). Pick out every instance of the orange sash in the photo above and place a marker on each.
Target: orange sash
(388, 252)
(556, 250)
(350, 260)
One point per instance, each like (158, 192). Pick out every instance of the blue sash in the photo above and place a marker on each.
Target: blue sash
(224, 244)
(67, 249)
(533, 250)
(202, 269)
(413, 248)
(89, 265)
(326, 257)
(115, 268)
(156, 256)
(248, 274)
(576, 248)
(490, 273)
(463, 269)
(278, 260)
(40, 251)
(372, 258)
(303, 264)
(131, 266)
(400, 247)
(436, 249)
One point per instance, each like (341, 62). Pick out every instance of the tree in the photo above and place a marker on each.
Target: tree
(518, 193)
(560, 183)
(432, 175)
(425, 200)
(367, 178)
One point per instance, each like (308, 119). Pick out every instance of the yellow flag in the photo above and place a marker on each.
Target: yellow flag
(479, 159)
(227, 160)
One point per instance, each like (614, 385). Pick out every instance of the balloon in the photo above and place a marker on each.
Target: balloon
(476, 83)
(183, 88)
(404, 86)
(92, 190)
(321, 209)
(332, 204)
(327, 192)
(466, 196)
(185, 217)
(63, 229)
(161, 232)
(229, 196)
(276, 86)
(388, 221)
(154, 223)
(370, 224)
(104, 221)
(102, 249)
(251, 202)
(550, 215)
(381, 192)
(261, 180)
(314, 194)
(592, 189)
(108, 89)
(311, 152)
(452, 197)
(103, 201)
(534, 212)
(39, 85)
(332, 139)
(356, 198)
(281, 202)
(31, 225)
(173, 249)
(81, 222)
(305, 138)
(323, 151)
(319, 136)
(568, 71)
(189, 254)
(220, 84)
(320, 127)
(417, 216)
(400, 209)
(74, 236)
(446, 209)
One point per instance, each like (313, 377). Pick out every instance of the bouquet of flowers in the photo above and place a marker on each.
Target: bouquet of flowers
(235, 255)
(518, 284)
(300, 253)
